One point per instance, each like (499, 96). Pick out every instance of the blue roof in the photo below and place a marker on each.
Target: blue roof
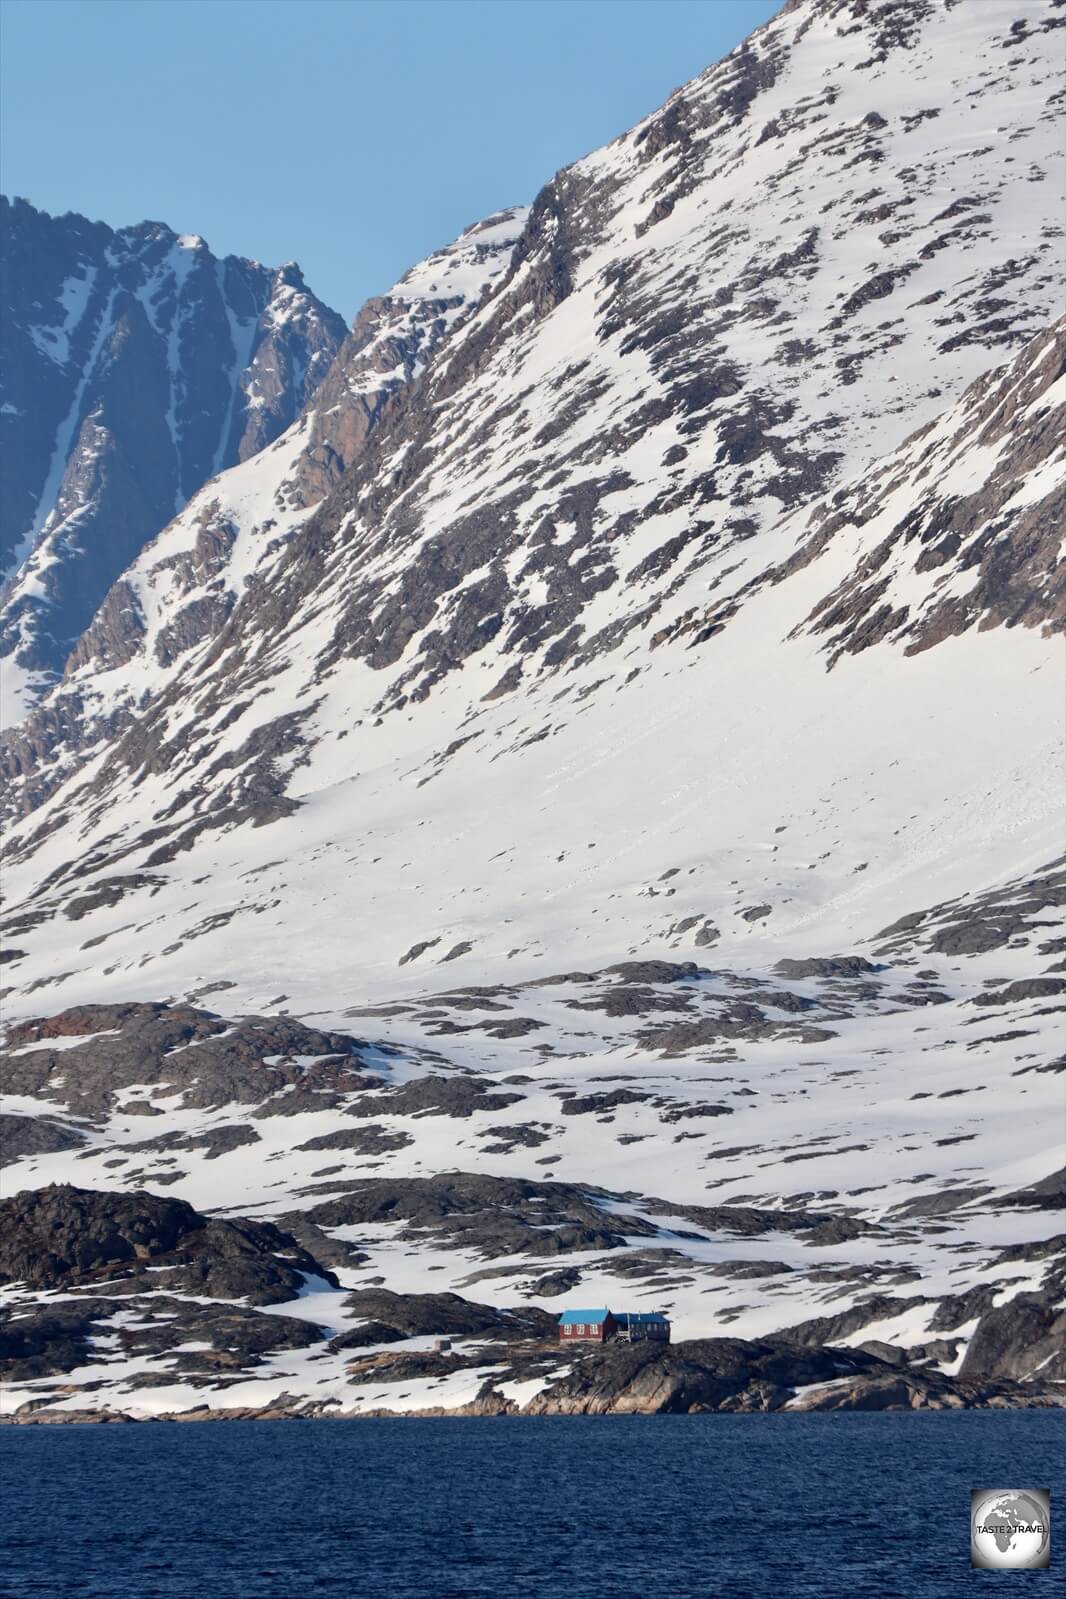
(594, 1318)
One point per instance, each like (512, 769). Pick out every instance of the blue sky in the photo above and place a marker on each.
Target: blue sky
(354, 136)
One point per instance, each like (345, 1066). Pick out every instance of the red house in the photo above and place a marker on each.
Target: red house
(590, 1326)
(608, 1326)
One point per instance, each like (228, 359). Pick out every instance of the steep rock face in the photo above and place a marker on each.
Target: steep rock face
(762, 287)
(136, 365)
(1024, 1338)
(392, 339)
(673, 362)
(178, 594)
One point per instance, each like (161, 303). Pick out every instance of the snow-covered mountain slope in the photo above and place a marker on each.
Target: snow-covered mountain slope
(180, 590)
(393, 338)
(647, 760)
(135, 366)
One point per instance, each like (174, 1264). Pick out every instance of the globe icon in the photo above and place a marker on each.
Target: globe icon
(1010, 1529)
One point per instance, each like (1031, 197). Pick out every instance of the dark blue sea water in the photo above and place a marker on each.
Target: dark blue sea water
(580, 1508)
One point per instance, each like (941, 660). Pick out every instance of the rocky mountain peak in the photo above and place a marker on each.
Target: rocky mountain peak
(136, 365)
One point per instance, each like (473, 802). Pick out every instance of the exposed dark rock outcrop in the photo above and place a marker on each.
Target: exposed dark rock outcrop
(974, 925)
(698, 1375)
(62, 1236)
(833, 966)
(493, 1215)
(416, 1315)
(57, 1338)
(174, 1048)
(1023, 1338)
(435, 1096)
(822, 1330)
(34, 1135)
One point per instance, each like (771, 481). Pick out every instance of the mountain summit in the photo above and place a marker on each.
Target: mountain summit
(136, 365)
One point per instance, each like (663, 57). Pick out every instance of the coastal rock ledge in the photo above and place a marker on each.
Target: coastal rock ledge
(702, 1376)
(139, 1307)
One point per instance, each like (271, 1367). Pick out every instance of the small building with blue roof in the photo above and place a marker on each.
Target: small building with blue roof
(603, 1326)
